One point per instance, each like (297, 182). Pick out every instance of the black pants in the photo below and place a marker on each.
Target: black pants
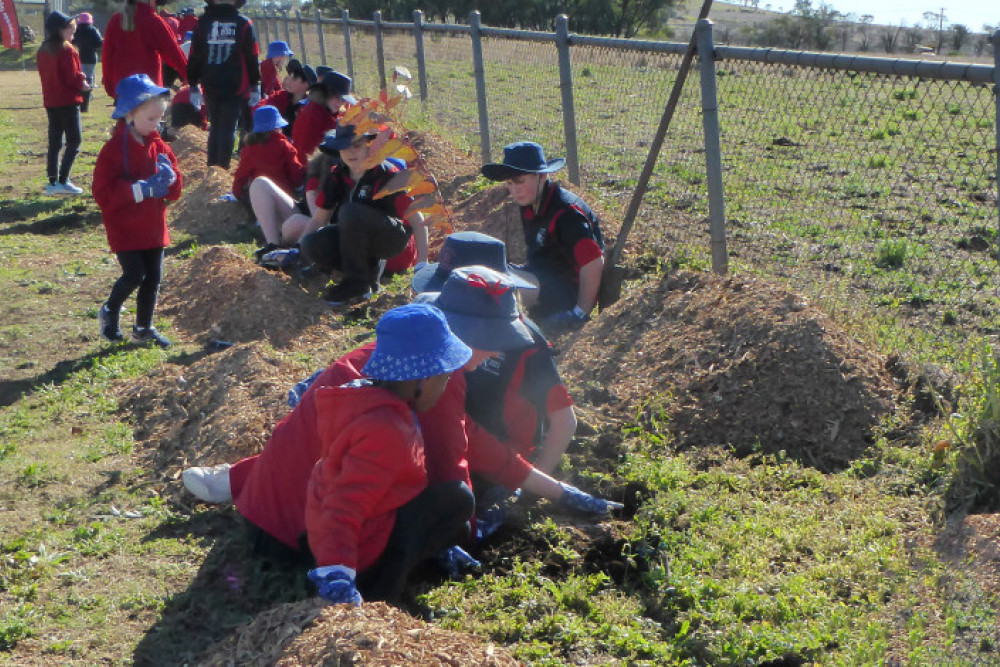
(223, 117)
(436, 519)
(362, 236)
(557, 291)
(141, 269)
(63, 121)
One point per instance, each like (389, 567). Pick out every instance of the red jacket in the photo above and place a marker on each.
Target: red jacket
(270, 83)
(314, 121)
(61, 75)
(372, 464)
(140, 51)
(276, 158)
(269, 488)
(188, 23)
(121, 162)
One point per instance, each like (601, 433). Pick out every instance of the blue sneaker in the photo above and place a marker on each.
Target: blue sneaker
(147, 335)
(108, 321)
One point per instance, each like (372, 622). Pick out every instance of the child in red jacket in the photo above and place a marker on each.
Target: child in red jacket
(267, 155)
(138, 41)
(63, 86)
(277, 57)
(327, 98)
(136, 173)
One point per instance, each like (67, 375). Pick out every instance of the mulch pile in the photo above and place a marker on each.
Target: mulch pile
(221, 295)
(741, 364)
(309, 633)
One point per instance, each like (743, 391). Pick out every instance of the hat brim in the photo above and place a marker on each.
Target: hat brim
(156, 91)
(492, 334)
(430, 279)
(382, 366)
(277, 125)
(498, 171)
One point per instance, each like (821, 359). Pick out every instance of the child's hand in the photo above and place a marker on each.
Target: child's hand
(165, 170)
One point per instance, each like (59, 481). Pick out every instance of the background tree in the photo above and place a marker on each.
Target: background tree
(959, 36)
(888, 37)
(865, 31)
(981, 42)
(911, 38)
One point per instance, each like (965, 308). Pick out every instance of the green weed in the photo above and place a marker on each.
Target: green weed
(892, 253)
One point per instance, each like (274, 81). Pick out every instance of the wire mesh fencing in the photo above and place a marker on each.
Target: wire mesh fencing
(873, 191)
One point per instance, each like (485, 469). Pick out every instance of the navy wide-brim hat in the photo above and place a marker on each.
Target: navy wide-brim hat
(338, 139)
(523, 157)
(268, 118)
(466, 249)
(414, 342)
(481, 309)
(305, 72)
(133, 91)
(338, 84)
(279, 48)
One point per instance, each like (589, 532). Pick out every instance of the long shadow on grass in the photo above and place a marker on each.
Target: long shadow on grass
(12, 391)
(231, 587)
(13, 210)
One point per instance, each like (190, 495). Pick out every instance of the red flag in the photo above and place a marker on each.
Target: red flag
(9, 28)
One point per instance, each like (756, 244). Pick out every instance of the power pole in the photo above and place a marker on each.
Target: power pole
(940, 19)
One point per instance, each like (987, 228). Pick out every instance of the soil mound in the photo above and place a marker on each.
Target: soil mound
(220, 294)
(451, 166)
(735, 363)
(311, 633)
(219, 409)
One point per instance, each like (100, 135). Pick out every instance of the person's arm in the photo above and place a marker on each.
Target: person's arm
(590, 283)
(166, 44)
(108, 78)
(562, 427)
(420, 236)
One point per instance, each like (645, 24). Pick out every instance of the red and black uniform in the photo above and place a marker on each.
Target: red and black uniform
(62, 83)
(224, 61)
(270, 83)
(137, 232)
(276, 158)
(143, 50)
(563, 236)
(512, 395)
(286, 105)
(313, 122)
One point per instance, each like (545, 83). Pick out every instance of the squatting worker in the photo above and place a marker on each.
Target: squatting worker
(563, 236)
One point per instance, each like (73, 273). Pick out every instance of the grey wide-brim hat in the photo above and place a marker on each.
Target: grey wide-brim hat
(480, 306)
(466, 249)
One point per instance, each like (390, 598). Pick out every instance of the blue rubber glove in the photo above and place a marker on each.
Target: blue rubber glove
(456, 561)
(336, 584)
(165, 170)
(229, 196)
(580, 501)
(568, 318)
(254, 97)
(495, 508)
(295, 393)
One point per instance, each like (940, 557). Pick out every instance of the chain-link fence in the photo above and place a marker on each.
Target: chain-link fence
(870, 185)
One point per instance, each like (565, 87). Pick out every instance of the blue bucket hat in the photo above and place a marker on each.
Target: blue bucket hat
(481, 309)
(133, 91)
(267, 118)
(336, 83)
(465, 249)
(338, 139)
(279, 48)
(414, 342)
(523, 157)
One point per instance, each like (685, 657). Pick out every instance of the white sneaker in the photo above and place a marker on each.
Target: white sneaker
(53, 189)
(69, 188)
(209, 483)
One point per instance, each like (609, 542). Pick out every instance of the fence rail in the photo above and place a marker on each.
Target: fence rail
(868, 182)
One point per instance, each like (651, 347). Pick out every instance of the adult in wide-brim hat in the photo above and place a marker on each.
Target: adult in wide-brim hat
(466, 249)
(481, 307)
(522, 157)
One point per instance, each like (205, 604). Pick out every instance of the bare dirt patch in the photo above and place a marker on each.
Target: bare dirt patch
(312, 633)
(733, 362)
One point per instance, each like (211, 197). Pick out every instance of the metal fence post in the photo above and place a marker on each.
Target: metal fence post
(713, 153)
(418, 36)
(379, 50)
(569, 108)
(302, 38)
(319, 36)
(284, 21)
(480, 73)
(996, 117)
(346, 15)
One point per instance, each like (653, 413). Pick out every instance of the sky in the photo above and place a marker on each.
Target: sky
(971, 13)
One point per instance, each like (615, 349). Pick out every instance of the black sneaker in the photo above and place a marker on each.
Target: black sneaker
(259, 253)
(346, 292)
(110, 331)
(147, 335)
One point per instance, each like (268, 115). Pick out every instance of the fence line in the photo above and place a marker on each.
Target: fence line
(866, 179)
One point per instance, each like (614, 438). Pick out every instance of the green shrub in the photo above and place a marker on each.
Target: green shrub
(892, 253)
